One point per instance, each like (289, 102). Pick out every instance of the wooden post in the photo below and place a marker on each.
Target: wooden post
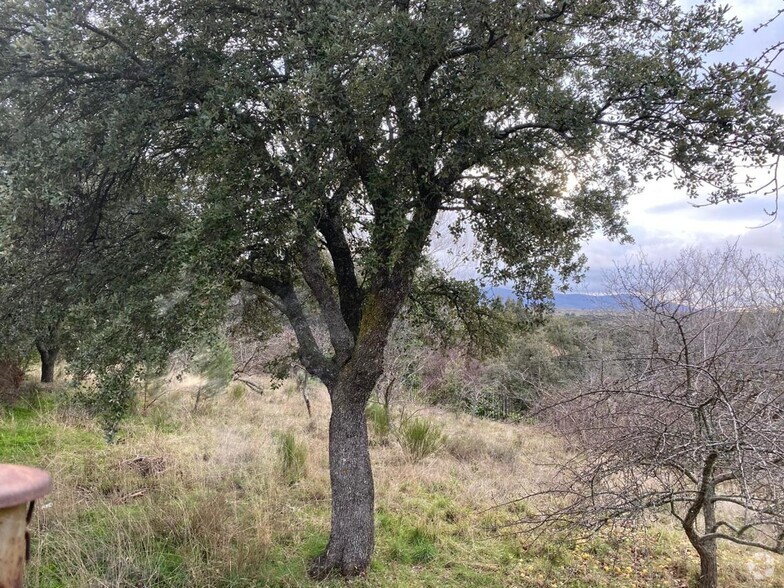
(12, 545)
(20, 486)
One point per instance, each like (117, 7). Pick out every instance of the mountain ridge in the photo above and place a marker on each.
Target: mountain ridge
(565, 301)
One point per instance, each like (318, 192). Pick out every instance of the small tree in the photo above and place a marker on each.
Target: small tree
(691, 419)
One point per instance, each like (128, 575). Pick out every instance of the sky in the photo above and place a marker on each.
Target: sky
(662, 220)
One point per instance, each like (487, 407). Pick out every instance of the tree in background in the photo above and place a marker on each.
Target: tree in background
(442, 313)
(544, 357)
(93, 227)
(310, 148)
(688, 420)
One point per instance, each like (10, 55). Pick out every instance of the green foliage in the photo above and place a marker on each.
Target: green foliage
(152, 169)
(453, 386)
(540, 354)
(216, 363)
(456, 311)
(162, 152)
(124, 148)
(293, 455)
(553, 354)
(420, 437)
(110, 398)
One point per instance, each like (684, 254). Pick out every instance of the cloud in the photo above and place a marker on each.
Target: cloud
(752, 12)
(662, 219)
(603, 254)
(768, 240)
(752, 212)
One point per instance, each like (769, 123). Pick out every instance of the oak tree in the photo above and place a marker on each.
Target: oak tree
(310, 147)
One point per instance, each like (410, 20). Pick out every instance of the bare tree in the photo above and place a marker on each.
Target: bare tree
(689, 420)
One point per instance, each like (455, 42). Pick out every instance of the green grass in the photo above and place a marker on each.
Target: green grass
(221, 511)
(420, 437)
(380, 421)
(30, 432)
(237, 391)
(293, 457)
(25, 443)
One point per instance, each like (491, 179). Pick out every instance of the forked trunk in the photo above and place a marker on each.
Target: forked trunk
(706, 549)
(351, 539)
(48, 361)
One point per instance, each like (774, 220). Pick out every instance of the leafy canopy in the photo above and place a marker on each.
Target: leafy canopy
(185, 145)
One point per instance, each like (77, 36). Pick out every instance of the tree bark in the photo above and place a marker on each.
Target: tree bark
(48, 361)
(358, 338)
(709, 568)
(705, 547)
(351, 539)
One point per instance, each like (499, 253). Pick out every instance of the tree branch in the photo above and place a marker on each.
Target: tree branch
(330, 225)
(312, 268)
(116, 41)
(289, 304)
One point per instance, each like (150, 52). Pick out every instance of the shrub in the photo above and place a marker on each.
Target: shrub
(216, 366)
(472, 448)
(420, 437)
(11, 376)
(293, 456)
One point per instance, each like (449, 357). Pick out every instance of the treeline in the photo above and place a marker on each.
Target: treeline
(503, 382)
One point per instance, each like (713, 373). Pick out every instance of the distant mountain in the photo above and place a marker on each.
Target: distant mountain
(574, 301)
(570, 301)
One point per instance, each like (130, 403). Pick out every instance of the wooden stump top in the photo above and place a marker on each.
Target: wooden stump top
(22, 484)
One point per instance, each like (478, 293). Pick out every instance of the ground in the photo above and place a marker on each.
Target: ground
(237, 495)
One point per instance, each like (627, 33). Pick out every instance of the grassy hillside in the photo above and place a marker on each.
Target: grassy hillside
(238, 495)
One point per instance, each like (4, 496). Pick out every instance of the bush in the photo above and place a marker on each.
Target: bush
(472, 448)
(11, 376)
(293, 456)
(379, 419)
(215, 365)
(420, 437)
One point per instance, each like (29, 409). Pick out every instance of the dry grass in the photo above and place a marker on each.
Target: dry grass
(201, 500)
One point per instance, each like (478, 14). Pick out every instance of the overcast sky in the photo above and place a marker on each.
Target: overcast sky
(662, 220)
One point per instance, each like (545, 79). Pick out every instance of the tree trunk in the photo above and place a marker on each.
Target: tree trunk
(48, 361)
(709, 569)
(351, 539)
(703, 544)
